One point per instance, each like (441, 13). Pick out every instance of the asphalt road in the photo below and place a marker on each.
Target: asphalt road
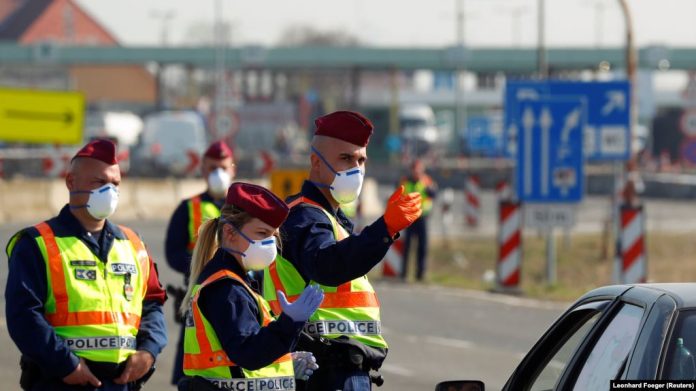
(434, 333)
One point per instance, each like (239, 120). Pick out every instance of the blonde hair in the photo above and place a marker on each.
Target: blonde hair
(208, 242)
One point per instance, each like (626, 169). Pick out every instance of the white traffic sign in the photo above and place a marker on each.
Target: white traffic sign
(546, 216)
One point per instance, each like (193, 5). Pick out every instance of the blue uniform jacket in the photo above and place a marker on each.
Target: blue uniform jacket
(234, 315)
(309, 242)
(176, 242)
(26, 292)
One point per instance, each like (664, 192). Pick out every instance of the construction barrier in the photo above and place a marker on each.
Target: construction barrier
(392, 263)
(509, 245)
(634, 265)
(503, 191)
(472, 206)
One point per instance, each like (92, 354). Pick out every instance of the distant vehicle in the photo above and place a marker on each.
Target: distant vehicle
(172, 142)
(618, 332)
(418, 129)
(123, 126)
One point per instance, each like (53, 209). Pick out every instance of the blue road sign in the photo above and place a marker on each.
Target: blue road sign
(485, 135)
(606, 135)
(550, 162)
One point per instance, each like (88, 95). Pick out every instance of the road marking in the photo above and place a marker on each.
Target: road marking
(479, 295)
(449, 342)
(396, 370)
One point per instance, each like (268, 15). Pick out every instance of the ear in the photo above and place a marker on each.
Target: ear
(314, 162)
(70, 181)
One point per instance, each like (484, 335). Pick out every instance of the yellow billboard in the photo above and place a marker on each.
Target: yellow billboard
(41, 117)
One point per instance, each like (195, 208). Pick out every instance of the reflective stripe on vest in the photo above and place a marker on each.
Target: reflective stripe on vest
(199, 212)
(264, 383)
(344, 307)
(88, 303)
(203, 353)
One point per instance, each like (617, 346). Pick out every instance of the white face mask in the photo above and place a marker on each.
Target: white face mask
(260, 253)
(346, 185)
(102, 202)
(219, 181)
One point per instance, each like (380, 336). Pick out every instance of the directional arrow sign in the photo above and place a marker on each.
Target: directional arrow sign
(550, 165)
(606, 130)
(41, 117)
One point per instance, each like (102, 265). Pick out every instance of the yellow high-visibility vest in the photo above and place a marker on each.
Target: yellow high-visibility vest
(350, 309)
(205, 357)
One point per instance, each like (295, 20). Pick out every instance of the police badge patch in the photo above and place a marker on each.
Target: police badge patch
(85, 274)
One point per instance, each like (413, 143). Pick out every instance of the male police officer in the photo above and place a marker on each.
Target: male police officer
(319, 247)
(420, 182)
(83, 299)
(218, 169)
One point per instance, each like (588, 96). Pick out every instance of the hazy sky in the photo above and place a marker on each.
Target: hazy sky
(409, 22)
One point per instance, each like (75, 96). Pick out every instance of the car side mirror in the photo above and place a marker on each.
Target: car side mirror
(461, 385)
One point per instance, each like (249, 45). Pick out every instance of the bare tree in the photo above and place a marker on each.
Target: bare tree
(202, 33)
(302, 35)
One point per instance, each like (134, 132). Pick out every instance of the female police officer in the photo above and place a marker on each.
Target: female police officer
(231, 341)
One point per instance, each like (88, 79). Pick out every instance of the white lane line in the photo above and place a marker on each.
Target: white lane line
(480, 295)
(396, 370)
(450, 342)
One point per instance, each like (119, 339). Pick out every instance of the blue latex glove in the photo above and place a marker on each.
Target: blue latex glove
(304, 364)
(304, 306)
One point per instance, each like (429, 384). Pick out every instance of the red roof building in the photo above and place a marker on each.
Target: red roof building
(64, 22)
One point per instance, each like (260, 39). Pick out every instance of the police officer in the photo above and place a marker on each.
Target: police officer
(83, 299)
(420, 182)
(319, 247)
(219, 170)
(231, 340)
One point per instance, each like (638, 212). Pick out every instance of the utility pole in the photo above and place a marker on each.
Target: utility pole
(459, 99)
(542, 65)
(165, 16)
(631, 59)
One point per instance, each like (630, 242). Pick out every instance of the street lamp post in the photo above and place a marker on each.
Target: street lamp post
(620, 180)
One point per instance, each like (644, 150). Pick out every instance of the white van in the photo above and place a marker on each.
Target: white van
(172, 143)
(418, 128)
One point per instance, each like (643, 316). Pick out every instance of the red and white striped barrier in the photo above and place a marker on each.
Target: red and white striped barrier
(510, 245)
(56, 165)
(503, 191)
(392, 263)
(634, 265)
(472, 206)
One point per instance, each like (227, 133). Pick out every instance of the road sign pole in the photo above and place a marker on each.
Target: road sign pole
(550, 258)
(616, 224)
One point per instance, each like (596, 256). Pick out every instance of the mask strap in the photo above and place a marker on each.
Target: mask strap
(80, 192)
(231, 250)
(324, 160)
(238, 230)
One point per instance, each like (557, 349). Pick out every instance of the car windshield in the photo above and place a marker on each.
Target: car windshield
(679, 361)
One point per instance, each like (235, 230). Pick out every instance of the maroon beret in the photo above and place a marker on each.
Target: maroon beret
(258, 202)
(345, 125)
(100, 149)
(219, 150)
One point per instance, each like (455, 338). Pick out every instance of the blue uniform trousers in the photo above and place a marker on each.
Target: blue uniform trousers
(419, 230)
